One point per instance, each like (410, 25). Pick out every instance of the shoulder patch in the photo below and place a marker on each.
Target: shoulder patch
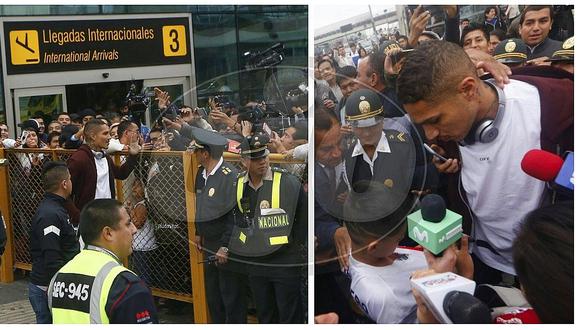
(226, 170)
(396, 136)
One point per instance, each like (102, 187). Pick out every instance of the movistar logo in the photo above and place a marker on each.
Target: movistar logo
(420, 236)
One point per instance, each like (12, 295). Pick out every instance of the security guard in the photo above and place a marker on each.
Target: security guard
(511, 52)
(53, 240)
(94, 287)
(383, 155)
(271, 225)
(225, 278)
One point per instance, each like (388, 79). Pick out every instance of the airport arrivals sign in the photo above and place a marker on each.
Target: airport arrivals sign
(61, 45)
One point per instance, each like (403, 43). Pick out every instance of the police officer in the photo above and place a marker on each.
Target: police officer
(381, 155)
(225, 278)
(53, 240)
(95, 287)
(271, 224)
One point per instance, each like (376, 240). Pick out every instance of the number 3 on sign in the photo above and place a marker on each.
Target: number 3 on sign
(174, 40)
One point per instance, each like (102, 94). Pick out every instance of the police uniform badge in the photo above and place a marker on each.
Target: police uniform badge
(388, 183)
(211, 192)
(510, 46)
(569, 43)
(264, 204)
(364, 107)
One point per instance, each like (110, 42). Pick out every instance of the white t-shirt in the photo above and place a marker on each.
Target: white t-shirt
(103, 188)
(144, 238)
(384, 293)
(500, 194)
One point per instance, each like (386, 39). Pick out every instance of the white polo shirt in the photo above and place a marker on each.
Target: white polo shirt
(382, 146)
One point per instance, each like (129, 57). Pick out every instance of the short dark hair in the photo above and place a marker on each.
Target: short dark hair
(153, 130)
(301, 132)
(500, 34)
(544, 261)
(536, 8)
(215, 152)
(376, 65)
(123, 126)
(465, 19)
(488, 9)
(53, 173)
(362, 231)
(96, 215)
(327, 61)
(62, 113)
(403, 37)
(346, 72)
(52, 135)
(92, 125)
(324, 120)
(432, 70)
(474, 27)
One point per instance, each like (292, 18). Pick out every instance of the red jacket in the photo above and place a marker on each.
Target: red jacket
(83, 173)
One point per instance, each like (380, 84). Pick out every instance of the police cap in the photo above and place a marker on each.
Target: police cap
(511, 51)
(388, 45)
(204, 139)
(255, 146)
(566, 53)
(364, 108)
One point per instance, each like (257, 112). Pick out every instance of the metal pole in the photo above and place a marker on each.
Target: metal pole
(373, 20)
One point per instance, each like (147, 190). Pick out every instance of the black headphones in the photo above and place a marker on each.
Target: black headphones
(487, 130)
(99, 154)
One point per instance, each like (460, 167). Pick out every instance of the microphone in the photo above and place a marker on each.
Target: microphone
(436, 291)
(433, 226)
(548, 167)
(464, 308)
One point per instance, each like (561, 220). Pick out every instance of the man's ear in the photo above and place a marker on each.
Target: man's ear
(468, 87)
(372, 246)
(107, 234)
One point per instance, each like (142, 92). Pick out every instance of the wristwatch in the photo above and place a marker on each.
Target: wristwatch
(225, 249)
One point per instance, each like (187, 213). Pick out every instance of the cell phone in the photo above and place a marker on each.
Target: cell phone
(432, 152)
(267, 129)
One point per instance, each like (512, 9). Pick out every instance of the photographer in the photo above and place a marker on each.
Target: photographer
(193, 117)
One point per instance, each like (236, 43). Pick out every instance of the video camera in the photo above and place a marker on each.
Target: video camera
(266, 58)
(298, 97)
(138, 102)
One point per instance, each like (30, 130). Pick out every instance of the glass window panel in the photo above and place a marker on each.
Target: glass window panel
(50, 105)
(216, 56)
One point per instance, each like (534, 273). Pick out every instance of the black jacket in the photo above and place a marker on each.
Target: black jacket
(2, 235)
(53, 241)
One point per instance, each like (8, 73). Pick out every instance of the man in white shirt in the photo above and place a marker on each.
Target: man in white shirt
(93, 172)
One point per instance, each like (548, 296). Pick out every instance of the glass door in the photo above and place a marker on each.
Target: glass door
(179, 92)
(45, 101)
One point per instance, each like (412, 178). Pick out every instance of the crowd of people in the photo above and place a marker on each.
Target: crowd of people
(250, 223)
(423, 115)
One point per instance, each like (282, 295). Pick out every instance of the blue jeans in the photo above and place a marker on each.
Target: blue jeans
(39, 301)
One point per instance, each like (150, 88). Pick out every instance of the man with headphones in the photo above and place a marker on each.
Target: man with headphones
(92, 171)
(440, 89)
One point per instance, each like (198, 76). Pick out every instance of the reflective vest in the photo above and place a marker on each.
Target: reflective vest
(269, 232)
(78, 292)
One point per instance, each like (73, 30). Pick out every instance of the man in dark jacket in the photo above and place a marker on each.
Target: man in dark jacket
(535, 25)
(93, 172)
(225, 278)
(441, 91)
(53, 241)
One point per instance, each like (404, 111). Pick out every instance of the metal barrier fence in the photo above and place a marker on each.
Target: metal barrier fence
(161, 183)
